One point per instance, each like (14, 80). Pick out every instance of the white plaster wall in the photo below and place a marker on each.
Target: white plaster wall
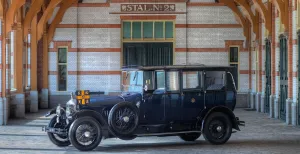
(210, 15)
(72, 61)
(107, 83)
(244, 83)
(99, 61)
(52, 64)
(89, 37)
(244, 60)
(181, 38)
(208, 58)
(295, 89)
(212, 37)
(180, 58)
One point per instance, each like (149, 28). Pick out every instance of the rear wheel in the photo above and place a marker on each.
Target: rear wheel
(217, 128)
(190, 136)
(85, 133)
(57, 139)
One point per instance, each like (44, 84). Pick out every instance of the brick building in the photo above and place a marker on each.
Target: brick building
(68, 45)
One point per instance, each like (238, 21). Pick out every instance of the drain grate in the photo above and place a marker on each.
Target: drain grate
(250, 109)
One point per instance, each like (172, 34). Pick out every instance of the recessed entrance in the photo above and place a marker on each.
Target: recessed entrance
(147, 54)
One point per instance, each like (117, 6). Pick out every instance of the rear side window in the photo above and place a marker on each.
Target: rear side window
(192, 80)
(215, 80)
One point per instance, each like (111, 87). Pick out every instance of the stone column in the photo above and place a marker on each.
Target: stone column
(6, 111)
(34, 101)
(19, 103)
(252, 100)
(262, 103)
(45, 101)
(288, 115)
(272, 98)
(1, 112)
(294, 113)
(276, 108)
(257, 101)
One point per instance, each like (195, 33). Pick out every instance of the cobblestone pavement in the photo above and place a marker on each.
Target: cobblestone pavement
(261, 135)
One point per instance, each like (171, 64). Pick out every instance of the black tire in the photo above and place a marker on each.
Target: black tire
(80, 127)
(210, 130)
(190, 136)
(116, 120)
(59, 140)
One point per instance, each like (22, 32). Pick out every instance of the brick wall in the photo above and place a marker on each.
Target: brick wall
(95, 43)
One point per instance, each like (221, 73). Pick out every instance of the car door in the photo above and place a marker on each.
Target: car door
(215, 92)
(192, 94)
(173, 96)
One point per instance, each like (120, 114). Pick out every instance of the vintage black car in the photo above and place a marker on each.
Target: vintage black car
(184, 101)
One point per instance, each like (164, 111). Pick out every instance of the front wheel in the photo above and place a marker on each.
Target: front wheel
(190, 136)
(59, 140)
(85, 133)
(217, 128)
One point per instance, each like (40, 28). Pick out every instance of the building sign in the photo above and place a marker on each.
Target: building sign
(147, 7)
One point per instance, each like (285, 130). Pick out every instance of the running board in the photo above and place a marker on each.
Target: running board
(169, 133)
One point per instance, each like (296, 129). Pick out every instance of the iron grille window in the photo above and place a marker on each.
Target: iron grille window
(62, 69)
(147, 54)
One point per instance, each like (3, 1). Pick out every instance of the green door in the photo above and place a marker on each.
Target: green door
(283, 77)
(268, 76)
(298, 77)
(147, 54)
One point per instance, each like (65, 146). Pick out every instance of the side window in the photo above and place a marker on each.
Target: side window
(160, 77)
(149, 79)
(215, 80)
(172, 81)
(192, 80)
(62, 69)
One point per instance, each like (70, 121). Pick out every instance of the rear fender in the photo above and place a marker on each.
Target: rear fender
(225, 110)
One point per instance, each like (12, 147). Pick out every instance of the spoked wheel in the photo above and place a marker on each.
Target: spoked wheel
(57, 139)
(123, 120)
(85, 133)
(217, 128)
(190, 136)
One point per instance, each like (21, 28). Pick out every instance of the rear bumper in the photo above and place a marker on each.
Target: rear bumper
(239, 122)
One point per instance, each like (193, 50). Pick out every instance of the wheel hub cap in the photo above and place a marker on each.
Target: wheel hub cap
(87, 134)
(219, 128)
(126, 119)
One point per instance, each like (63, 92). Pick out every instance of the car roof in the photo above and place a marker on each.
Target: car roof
(179, 67)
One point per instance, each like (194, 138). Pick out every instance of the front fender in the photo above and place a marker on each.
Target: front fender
(91, 113)
(226, 110)
(52, 111)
